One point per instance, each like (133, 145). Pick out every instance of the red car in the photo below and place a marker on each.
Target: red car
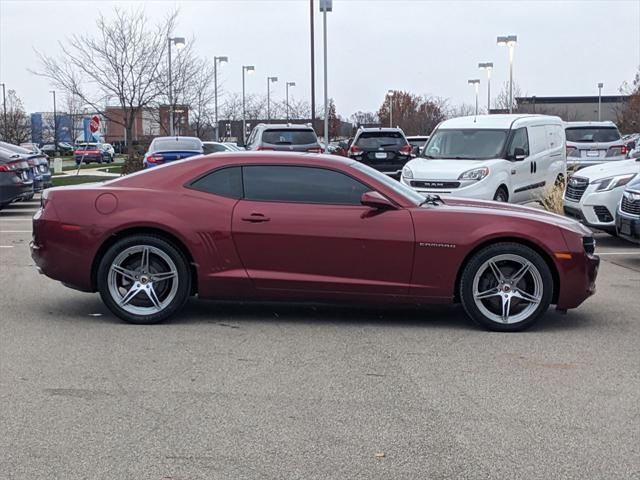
(301, 227)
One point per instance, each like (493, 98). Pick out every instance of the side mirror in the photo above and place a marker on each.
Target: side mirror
(519, 154)
(376, 200)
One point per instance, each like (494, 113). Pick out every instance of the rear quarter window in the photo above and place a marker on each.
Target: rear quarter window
(226, 182)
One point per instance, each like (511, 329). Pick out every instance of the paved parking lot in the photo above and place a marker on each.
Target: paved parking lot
(255, 391)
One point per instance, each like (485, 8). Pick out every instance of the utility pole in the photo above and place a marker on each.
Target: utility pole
(325, 6)
(313, 68)
(217, 60)
(4, 114)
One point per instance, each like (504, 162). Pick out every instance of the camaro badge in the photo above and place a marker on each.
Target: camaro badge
(437, 245)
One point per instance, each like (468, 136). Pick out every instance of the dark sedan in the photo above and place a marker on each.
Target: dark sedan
(15, 183)
(298, 227)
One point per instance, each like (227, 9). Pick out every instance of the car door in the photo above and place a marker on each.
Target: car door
(301, 228)
(521, 170)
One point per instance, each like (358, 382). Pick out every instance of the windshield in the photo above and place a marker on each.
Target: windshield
(170, 144)
(466, 144)
(289, 136)
(592, 134)
(396, 186)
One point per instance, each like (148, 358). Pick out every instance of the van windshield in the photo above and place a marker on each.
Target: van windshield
(466, 144)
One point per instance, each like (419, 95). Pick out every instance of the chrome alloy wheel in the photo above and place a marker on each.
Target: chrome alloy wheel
(143, 280)
(507, 288)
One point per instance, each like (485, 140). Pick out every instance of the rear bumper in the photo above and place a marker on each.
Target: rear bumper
(11, 192)
(87, 158)
(578, 163)
(628, 227)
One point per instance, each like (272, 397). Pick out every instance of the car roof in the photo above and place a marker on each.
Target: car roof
(379, 129)
(604, 123)
(176, 138)
(284, 126)
(498, 121)
(416, 137)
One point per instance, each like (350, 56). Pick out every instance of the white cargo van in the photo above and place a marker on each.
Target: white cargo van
(508, 158)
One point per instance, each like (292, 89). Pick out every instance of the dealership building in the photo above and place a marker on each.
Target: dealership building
(573, 109)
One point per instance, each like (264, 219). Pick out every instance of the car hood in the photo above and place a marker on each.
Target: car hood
(485, 207)
(604, 170)
(446, 169)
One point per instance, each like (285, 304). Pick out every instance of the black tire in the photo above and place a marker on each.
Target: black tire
(182, 269)
(476, 263)
(501, 195)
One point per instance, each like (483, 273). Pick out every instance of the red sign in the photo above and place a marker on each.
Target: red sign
(95, 124)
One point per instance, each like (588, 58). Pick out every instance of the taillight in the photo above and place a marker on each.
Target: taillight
(355, 150)
(315, 150)
(617, 150)
(155, 158)
(570, 150)
(265, 148)
(10, 167)
(405, 149)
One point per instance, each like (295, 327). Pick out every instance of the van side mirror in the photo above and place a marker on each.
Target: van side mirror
(519, 154)
(376, 200)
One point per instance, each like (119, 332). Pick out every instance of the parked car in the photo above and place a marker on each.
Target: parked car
(63, 148)
(593, 194)
(628, 213)
(507, 158)
(217, 147)
(233, 146)
(32, 147)
(276, 226)
(168, 149)
(631, 141)
(284, 137)
(15, 183)
(38, 163)
(418, 142)
(91, 152)
(385, 149)
(108, 148)
(591, 143)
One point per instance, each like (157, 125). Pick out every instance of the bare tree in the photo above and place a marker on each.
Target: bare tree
(415, 114)
(17, 128)
(461, 110)
(123, 61)
(74, 106)
(628, 115)
(501, 102)
(364, 118)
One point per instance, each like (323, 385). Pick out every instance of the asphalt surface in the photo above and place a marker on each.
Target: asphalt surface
(260, 392)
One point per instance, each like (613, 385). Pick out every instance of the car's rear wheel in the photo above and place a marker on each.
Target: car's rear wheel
(506, 287)
(144, 279)
(501, 195)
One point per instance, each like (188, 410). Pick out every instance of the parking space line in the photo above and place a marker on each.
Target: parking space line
(6, 246)
(619, 253)
(15, 231)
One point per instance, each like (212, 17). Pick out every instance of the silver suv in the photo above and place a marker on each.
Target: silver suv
(283, 137)
(592, 143)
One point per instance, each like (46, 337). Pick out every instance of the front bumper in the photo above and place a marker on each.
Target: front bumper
(628, 227)
(480, 190)
(595, 209)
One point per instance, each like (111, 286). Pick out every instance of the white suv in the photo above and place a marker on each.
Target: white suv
(593, 194)
(508, 158)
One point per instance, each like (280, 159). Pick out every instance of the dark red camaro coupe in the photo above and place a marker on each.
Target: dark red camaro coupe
(302, 227)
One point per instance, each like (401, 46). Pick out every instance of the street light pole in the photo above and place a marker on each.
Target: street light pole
(509, 41)
(179, 43)
(488, 66)
(289, 84)
(313, 67)
(390, 95)
(250, 69)
(269, 80)
(55, 122)
(4, 114)
(476, 83)
(325, 6)
(600, 85)
(217, 60)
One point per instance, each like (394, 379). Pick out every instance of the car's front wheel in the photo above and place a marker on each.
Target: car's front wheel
(144, 279)
(506, 287)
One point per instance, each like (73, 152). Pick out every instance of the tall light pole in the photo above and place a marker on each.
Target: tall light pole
(55, 122)
(325, 6)
(390, 95)
(509, 41)
(488, 66)
(217, 60)
(4, 114)
(289, 84)
(313, 66)
(476, 83)
(600, 85)
(179, 43)
(250, 69)
(269, 81)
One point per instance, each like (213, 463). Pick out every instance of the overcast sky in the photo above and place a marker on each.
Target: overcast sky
(426, 47)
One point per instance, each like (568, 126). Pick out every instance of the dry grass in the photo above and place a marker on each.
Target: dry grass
(552, 197)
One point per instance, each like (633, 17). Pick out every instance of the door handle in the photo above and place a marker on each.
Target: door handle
(256, 218)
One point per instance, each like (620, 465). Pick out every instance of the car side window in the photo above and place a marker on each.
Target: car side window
(226, 182)
(297, 184)
(519, 140)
